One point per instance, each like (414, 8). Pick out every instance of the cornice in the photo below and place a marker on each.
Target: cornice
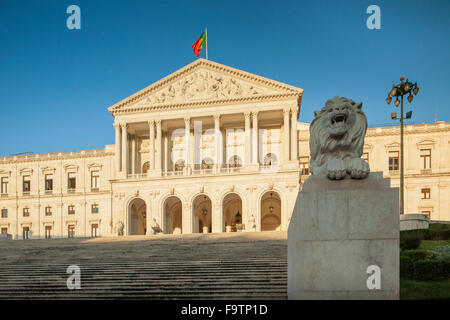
(207, 103)
(56, 157)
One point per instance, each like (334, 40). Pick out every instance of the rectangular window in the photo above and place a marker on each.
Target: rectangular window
(26, 233)
(4, 213)
(71, 182)
(365, 157)
(4, 230)
(48, 182)
(26, 212)
(4, 185)
(48, 211)
(95, 180)
(393, 160)
(71, 209)
(71, 231)
(426, 194)
(304, 165)
(48, 232)
(26, 183)
(425, 154)
(94, 230)
(94, 208)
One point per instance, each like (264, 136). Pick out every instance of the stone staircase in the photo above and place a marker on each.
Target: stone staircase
(213, 266)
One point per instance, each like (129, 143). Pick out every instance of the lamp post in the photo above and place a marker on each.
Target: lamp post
(399, 90)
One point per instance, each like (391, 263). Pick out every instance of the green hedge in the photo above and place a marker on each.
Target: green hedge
(416, 255)
(409, 243)
(431, 270)
(426, 234)
(406, 267)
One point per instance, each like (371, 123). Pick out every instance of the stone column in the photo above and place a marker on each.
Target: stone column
(124, 148)
(286, 141)
(216, 220)
(117, 147)
(133, 155)
(187, 139)
(158, 145)
(247, 137)
(187, 219)
(151, 144)
(255, 158)
(217, 142)
(294, 134)
(166, 151)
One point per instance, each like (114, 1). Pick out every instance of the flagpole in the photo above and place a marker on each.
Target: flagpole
(206, 32)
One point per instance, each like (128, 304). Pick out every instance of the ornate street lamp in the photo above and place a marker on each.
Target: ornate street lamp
(398, 91)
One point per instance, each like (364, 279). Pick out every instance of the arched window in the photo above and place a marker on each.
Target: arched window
(179, 165)
(235, 161)
(270, 159)
(146, 167)
(207, 163)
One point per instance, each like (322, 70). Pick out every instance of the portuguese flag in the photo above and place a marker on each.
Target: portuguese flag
(199, 44)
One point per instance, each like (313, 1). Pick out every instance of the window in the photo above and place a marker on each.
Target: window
(71, 231)
(94, 230)
(427, 213)
(4, 185)
(48, 232)
(207, 163)
(270, 159)
(4, 230)
(4, 213)
(26, 183)
(71, 181)
(393, 160)
(26, 212)
(426, 193)
(48, 211)
(94, 208)
(26, 233)
(425, 154)
(365, 156)
(48, 182)
(179, 165)
(71, 209)
(304, 165)
(235, 162)
(95, 176)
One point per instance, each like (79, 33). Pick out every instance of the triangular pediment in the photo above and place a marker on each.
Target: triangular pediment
(204, 81)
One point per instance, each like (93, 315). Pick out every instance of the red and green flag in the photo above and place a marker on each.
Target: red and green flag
(199, 44)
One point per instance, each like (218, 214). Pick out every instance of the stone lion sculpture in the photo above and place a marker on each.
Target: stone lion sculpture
(337, 139)
(155, 226)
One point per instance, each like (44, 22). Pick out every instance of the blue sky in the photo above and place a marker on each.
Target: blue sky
(56, 84)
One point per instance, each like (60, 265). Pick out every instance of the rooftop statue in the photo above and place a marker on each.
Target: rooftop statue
(337, 140)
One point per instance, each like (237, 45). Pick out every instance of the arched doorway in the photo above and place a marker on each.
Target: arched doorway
(173, 215)
(202, 214)
(232, 212)
(270, 212)
(146, 167)
(137, 217)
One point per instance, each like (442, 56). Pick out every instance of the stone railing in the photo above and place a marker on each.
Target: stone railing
(51, 155)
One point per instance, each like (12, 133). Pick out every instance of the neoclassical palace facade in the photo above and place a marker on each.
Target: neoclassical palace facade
(208, 148)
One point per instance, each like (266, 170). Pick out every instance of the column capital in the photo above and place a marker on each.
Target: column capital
(255, 113)
(116, 125)
(151, 122)
(247, 115)
(158, 122)
(217, 116)
(124, 125)
(187, 120)
(286, 111)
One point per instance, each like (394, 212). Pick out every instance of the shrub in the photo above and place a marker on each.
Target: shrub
(430, 270)
(416, 255)
(406, 267)
(409, 243)
(438, 235)
(442, 253)
(419, 233)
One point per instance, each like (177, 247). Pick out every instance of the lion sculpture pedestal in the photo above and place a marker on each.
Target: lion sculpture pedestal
(343, 236)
